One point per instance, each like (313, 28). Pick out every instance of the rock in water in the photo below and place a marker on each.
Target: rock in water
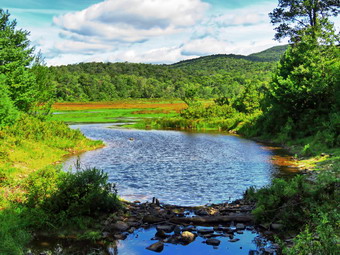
(213, 241)
(157, 247)
(165, 228)
(240, 226)
(188, 237)
(120, 226)
(205, 231)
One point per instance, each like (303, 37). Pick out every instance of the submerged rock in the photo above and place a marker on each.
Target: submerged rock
(156, 247)
(165, 228)
(205, 231)
(213, 241)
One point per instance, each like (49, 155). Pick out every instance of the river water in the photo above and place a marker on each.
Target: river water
(180, 168)
(183, 168)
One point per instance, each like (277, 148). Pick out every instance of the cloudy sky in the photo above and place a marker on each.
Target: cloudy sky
(147, 31)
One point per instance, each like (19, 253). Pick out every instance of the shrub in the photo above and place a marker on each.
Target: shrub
(59, 196)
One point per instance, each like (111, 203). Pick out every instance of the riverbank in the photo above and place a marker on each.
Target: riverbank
(30, 153)
(213, 215)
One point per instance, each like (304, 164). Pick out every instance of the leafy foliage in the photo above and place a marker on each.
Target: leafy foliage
(206, 77)
(22, 89)
(294, 16)
(83, 193)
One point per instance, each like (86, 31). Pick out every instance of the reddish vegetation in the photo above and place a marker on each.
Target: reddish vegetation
(166, 106)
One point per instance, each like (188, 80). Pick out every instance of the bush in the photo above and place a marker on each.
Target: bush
(57, 195)
(13, 232)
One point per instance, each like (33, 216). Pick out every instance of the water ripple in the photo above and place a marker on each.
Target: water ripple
(177, 167)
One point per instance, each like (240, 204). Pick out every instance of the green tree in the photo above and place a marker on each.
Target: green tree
(292, 16)
(8, 112)
(15, 57)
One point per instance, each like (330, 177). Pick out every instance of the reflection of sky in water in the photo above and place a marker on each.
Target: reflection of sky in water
(136, 243)
(177, 167)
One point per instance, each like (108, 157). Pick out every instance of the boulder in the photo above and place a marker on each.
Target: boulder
(156, 247)
(205, 231)
(240, 226)
(276, 226)
(161, 234)
(151, 219)
(120, 226)
(213, 241)
(234, 240)
(187, 237)
(165, 228)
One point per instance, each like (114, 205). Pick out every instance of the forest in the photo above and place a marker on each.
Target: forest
(287, 94)
(214, 76)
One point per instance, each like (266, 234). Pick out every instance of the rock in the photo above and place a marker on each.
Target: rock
(161, 234)
(239, 232)
(269, 251)
(253, 252)
(187, 237)
(205, 231)
(213, 241)
(240, 226)
(134, 224)
(120, 226)
(275, 246)
(152, 219)
(189, 228)
(234, 240)
(201, 212)
(276, 226)
(156, 247)
(120, 236)
(177, 230)
(105, 235)
(131, 230)
(165, 228)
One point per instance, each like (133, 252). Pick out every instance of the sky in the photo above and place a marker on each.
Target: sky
(143, 31)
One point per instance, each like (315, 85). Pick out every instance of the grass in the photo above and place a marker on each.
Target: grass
(105, 112)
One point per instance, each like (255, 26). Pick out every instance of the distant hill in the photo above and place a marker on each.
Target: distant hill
(215, 75)
(269, 55)
(272, 54)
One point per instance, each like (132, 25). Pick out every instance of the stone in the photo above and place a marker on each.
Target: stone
(156, 247)
(234, 240)
(240, 226)
(134, 224)
(120, 236)
(120, 226)
(177, 230)
(213, 241)
(161, 234)
(165, 228)
(151, 219)
(276, 226)
(201, 212)
(187, 237)
(269, 251)
(131, 230)
(189, 228)
(205, 231)
(239, 232)
(105, 235)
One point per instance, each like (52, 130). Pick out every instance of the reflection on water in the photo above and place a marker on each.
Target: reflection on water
(251, 242)
(177, 167)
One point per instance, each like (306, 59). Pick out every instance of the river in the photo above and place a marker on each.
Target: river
(183, 168)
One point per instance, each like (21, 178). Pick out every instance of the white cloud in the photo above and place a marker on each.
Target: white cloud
(205, 46)
(132, 20)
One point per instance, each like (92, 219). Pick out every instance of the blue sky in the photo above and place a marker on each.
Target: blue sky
(148, 31)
